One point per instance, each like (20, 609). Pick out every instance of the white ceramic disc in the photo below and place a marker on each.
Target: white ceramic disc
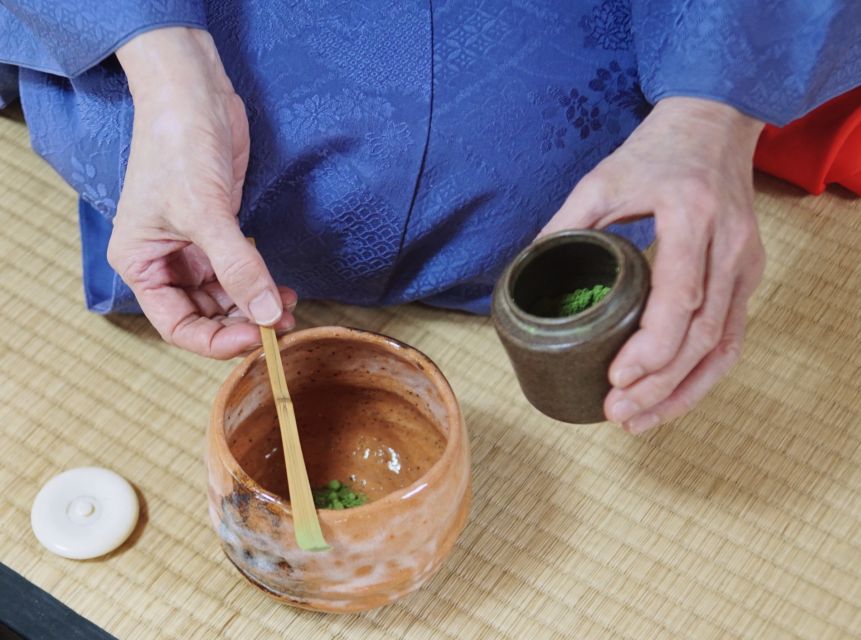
(84, 513)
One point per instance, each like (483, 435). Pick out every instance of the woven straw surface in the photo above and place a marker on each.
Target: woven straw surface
(743, 519)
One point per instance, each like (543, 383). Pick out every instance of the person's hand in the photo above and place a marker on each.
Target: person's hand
(176, 241)
(690, 164)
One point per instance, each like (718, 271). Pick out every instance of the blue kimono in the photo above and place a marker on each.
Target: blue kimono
(406, 150)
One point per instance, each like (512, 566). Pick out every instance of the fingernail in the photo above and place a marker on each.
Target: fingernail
(626, 376)
(291, 305)
(623, 410)
(265, 309)
(643, 423)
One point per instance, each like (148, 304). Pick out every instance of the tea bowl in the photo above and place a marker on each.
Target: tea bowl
(380, 551)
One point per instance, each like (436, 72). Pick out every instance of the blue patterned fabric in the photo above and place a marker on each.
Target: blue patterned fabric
(406, 151)
(67, 37)
(773, 59)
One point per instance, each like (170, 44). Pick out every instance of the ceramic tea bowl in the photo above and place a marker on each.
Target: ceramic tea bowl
(382, 550)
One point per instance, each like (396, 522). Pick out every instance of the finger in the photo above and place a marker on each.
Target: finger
(241, 150)
(174, 315)
(583, 207)
(240, 269)
(285, 323)
(206, 305)
(224, 301)
(694, 388)
(678, 281)
(704, 334)
(208, 337)
(595, 203)
(289, 298)
(189, 267)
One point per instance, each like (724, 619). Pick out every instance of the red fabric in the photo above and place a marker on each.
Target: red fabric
(822, 148)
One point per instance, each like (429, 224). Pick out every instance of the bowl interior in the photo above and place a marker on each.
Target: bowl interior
(371, 413)
(566, 265)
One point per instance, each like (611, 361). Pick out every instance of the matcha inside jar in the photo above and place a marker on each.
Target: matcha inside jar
(565, 281)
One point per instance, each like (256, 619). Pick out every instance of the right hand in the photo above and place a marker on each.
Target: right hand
(690, 162)
(176, 241)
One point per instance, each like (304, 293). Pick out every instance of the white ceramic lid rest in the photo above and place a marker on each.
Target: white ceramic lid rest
(84, 513)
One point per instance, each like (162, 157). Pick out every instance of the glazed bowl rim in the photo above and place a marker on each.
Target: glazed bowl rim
(395, 348)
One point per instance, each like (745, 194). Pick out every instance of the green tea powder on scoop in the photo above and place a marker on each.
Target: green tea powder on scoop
(337, 495)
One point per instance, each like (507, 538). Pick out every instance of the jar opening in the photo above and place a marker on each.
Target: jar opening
(560, 270)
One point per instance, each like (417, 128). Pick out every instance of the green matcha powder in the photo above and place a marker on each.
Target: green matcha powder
(337, 495)
(570, 303)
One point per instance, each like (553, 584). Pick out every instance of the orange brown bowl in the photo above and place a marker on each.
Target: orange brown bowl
(371, 408)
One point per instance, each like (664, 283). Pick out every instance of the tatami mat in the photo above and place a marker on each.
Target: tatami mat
(743, 519)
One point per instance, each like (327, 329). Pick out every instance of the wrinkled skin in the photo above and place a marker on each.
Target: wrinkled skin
(690, 164)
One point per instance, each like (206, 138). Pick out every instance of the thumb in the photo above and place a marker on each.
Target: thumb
(595, 204)
(240, 269)
(584, 208)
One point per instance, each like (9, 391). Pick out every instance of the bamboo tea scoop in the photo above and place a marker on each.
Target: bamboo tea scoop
(305, 522)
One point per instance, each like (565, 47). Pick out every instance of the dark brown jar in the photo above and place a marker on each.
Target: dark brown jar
(562, 363)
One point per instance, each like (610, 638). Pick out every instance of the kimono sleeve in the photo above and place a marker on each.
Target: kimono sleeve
(67, 37)
(775, 59)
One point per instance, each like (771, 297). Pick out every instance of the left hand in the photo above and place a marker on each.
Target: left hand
(690, 163)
